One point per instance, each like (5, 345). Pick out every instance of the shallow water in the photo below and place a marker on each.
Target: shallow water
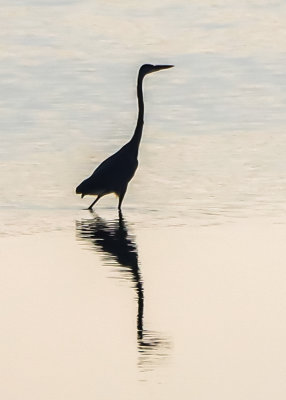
(103, 312)
(183, 294)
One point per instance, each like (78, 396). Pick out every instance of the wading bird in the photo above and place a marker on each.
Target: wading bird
(114, 174)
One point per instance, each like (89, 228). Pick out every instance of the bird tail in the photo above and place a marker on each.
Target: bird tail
(79, 190)
(86, 188)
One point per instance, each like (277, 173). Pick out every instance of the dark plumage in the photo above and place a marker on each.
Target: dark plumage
(114, 174)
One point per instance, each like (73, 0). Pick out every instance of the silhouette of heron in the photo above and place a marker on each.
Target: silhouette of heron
(114, 174)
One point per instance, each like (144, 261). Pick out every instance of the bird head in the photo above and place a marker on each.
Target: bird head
(149, 68)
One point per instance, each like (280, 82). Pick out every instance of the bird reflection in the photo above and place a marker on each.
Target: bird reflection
(111, 238)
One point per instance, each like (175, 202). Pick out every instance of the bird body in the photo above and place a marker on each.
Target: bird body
(114, 174)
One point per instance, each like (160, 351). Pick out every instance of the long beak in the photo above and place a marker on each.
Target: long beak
(159, 67)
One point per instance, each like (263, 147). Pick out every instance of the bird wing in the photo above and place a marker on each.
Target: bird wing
(115, 172)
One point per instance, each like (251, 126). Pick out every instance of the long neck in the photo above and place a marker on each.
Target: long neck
(136, 138)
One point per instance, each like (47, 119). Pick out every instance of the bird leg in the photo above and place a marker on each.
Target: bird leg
(121, 196)
(93, 203)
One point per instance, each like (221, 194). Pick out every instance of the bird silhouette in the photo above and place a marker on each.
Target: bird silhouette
(114, 174)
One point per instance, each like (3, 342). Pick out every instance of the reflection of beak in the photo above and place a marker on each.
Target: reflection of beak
(159, 67)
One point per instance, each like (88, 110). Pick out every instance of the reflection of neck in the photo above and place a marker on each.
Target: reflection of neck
(140, 294)
(136, 138)
(136, 277)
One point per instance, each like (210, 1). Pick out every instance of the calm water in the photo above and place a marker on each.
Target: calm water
(183, 294)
